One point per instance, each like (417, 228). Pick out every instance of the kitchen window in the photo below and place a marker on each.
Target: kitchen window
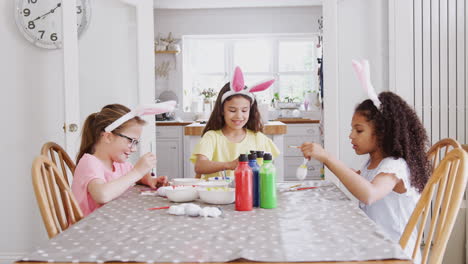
(208, 62)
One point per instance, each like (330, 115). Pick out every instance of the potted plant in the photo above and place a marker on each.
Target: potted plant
(208, 99)
(275, 100)
(288, 102)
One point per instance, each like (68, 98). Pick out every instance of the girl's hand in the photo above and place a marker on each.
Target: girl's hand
(313, 150)
(145, 163)
(232, 165)
(161, 181)
(155, 183)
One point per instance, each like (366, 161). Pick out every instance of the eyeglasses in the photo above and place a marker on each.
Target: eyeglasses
(132, 142)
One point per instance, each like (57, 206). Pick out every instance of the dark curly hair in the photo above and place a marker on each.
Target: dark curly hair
(216, 120)
(400, 134)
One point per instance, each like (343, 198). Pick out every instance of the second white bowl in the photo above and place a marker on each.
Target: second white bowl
(182, 194)
(217, 195)
(218, 183)
(186, 181)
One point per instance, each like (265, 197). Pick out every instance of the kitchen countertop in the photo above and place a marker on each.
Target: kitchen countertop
(271, 128)
(283, 120)
(298, 121)
(173, 123)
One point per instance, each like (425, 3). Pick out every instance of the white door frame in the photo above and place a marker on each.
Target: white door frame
(70, 78)
(330, 81)
(145, 72)
(145, 68)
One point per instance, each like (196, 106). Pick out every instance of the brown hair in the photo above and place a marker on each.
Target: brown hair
(400, 134)
(96, 123)
(216, 120)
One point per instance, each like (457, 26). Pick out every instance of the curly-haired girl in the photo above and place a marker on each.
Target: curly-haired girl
(389, 183)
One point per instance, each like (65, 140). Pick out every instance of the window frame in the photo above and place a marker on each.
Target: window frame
(229, 41)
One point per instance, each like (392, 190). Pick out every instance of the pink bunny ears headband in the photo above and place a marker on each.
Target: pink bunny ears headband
(141, 110)
(362, 71)
(237, 86)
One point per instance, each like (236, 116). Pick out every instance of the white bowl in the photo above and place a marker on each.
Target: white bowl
(182, 194)
(217, 195)
(186, 181)
(218, 183)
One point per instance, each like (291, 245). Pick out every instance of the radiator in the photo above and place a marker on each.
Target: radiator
(428, 65)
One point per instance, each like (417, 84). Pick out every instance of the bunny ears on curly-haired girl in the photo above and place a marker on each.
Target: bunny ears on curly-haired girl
(148, 109)
(363, 73)
(237, 86)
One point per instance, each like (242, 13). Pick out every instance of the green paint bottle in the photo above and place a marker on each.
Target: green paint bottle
(267, 183)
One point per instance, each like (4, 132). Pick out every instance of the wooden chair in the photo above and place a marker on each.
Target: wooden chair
(58, 206)
(447, 184)
(60, 158)
(465, 147)
(438, 151)
(435, 154)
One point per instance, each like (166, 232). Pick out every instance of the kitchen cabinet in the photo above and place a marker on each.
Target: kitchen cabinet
(169, 151)
(298, 134)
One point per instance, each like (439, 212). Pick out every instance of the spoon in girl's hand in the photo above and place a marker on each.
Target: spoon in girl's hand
(153, 174)
(301, 171)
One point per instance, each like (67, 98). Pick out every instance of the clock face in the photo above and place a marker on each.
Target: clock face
(40, 21)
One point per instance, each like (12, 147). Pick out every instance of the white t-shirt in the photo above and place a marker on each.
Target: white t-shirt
(393, 211)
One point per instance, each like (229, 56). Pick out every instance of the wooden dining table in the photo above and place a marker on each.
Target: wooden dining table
(310, 225)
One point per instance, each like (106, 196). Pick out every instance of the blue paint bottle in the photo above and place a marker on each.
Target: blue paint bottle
(255, 179)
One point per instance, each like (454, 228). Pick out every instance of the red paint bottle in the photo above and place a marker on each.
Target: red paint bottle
(243, 175)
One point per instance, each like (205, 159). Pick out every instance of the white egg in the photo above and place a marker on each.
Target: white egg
(176, 210)
(192, 209)
(301, 173)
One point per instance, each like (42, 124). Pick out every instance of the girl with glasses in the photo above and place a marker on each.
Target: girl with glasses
(103, 173)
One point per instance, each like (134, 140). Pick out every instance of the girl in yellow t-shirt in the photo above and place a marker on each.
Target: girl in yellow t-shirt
(234, 128)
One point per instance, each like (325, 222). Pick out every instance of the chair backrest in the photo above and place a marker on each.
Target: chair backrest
(438, 151)
(465, 147)
(447, 185)
(60, 158)
(58, 206)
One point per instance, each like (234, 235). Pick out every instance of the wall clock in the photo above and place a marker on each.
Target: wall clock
(40, 21)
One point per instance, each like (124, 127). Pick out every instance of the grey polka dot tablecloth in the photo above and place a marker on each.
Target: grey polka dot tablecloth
(319, 224)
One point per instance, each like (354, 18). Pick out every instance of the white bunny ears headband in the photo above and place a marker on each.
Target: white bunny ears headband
(141, 110)
(237, 86)
(362, 71)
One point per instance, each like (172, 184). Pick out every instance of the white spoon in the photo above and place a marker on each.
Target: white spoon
(301, 171)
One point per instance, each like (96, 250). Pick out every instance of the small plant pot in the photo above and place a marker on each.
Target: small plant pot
(287, 105)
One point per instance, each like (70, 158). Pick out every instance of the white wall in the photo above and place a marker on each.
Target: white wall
(108, 57)
(362, 33)
(227, 21)
(32, 103)
(32, 114)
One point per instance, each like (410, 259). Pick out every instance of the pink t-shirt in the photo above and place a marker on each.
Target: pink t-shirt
(89, 168)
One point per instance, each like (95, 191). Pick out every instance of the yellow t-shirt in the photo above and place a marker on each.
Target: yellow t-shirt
(216, 147)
